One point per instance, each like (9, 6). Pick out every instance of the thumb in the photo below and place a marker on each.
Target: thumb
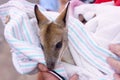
(115, 64)
(74, 77)
(115, 48)
(42, 67)
(117, 77)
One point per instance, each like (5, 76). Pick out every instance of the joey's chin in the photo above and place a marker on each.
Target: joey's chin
(51, 66)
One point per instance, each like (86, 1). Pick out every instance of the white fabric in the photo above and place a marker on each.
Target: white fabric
(21, 34)
(105, 26)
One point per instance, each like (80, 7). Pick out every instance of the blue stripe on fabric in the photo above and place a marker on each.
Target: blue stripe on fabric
(89, 39)
(27, 34)
(14, 34)
(32, 55)
(83, 41)
(21, 37)
(80, 50)
(59, 71)
(28, 48)
(18, 26)
(40, 56)
(29, 65)
(4, 13)
(24, 26)
(12, 40)
(9, 32)
(93, 43)
(83, 51)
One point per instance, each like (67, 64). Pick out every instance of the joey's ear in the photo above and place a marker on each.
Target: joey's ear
(40, 17)
(63, 15)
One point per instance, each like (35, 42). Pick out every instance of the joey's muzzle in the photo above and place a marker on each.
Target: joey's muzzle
(51, 62)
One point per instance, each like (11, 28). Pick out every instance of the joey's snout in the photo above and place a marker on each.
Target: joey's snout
(52, 35)
(51, 63)
(51, 56)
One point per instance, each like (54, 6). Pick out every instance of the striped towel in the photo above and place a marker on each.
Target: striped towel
(21, 34)
(89, 56)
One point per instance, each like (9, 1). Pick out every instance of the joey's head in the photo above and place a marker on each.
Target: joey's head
(53, 35)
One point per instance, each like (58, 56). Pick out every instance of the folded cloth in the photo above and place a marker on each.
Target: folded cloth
(21, 34)
(104, 26)
(89, 56)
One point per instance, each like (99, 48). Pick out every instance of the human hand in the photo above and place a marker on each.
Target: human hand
(73, 4)
(115, 64)
(44, 74)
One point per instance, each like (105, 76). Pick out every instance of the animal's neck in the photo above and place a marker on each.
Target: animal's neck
(67, 56)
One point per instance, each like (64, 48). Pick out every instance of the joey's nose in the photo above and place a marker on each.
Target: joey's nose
(51, 65)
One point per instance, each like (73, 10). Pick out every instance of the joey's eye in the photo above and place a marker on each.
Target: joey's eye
(59, 45)
(42, 46)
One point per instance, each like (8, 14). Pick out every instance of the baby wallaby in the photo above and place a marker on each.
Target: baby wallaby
(54, 38)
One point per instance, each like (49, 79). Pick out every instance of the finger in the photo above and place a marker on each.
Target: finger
(74, 77)
(42, 67)
(115, 64)
(7, 19)
(40, 76)
(115, 48)
(117, 77)
(76, 2)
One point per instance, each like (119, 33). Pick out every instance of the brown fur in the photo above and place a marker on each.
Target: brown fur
(53, 37)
